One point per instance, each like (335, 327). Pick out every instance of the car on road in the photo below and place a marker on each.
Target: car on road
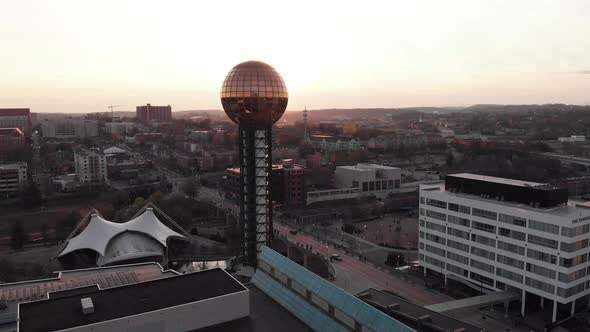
(335, 257)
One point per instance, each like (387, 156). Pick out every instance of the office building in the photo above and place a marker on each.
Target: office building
(254, 97)
(13, 178)
(10, 139)
(16, 118)
(507, 235)
(69, 128)
(90, 166)
(149, 113)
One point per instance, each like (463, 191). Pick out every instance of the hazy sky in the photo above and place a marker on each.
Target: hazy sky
(80, 56)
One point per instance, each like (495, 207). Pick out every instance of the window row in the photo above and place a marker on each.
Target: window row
(540, 285)
(483, 253)
(509, 275)
(436, 215)
(542, 271)
(436, 227)
(435, 250)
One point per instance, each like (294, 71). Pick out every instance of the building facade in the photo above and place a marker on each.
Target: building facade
(510, 235)
(153, 113)
(13, 178)
(10, 139)
(368, 178)
(91, 167)
(69, 128)
(16, 118)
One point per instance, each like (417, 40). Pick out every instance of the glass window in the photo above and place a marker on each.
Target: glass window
(513, 248)
(575, 231)
(436, 227)
(544, 227)
(436, 203)
(512, 234)
(512, 220)
(542, 241)
(542, 256)
(511, 261)
(435, 250)
(509, 275)
(569, 277)
(458, 258)
(459, 208)
(482, 266)
(542, 271)
(571, 262)
(459, 221)
(484, 214)
(483, 240)
(540, 285)
(571, 247)
(570, 291)
(483, 253)
(458, 233)
(458, 245)
(436, 215)
(484, 227)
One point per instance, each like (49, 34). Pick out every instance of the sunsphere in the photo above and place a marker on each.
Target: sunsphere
(254, 93)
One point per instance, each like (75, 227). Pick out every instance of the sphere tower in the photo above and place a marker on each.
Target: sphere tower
(254, 96)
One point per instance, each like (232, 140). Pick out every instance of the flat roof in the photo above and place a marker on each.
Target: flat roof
(573, 209)
(105, 277)
(413, 312)
(265, 316)
(367, 167)
(118, 302)
(494, 179)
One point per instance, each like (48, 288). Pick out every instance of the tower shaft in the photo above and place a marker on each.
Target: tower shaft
(255, 206)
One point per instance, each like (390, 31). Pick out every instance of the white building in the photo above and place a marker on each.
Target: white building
(13, 178)
(573, 138)
(368, 178)
(509, 235)
(69, 128)
(91, 166)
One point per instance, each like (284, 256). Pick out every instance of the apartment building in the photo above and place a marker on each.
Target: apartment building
(13, 178)
(511, 235)
(91, 166)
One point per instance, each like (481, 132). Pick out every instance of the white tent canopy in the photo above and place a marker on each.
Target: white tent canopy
(99, 232)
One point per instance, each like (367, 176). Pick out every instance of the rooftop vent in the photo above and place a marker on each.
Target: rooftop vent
(87, 305)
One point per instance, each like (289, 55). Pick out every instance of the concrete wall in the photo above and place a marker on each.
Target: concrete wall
(186, 317)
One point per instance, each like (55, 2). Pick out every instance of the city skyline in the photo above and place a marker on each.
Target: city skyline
(72, 57)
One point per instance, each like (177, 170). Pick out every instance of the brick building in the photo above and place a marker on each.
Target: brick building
(154, 113)
(10, 139)
(16, 118)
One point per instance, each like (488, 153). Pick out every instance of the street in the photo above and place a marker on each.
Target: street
(354, 276)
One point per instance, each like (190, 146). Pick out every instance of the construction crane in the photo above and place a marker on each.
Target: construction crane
(112, 107)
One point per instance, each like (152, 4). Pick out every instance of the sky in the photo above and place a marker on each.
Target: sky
(81, 56)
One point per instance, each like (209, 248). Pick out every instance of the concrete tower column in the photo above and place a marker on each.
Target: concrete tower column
(523, 303)
(542, 302)
(573, 310)
(554, 316)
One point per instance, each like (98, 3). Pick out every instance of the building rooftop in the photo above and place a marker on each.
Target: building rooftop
(412, 313)
(531, 193)
(65, 312)
(11, 132)
(104, 277)
(265, 316)
(14, 111)
(573, 209)
(494, 179)
(368, 167)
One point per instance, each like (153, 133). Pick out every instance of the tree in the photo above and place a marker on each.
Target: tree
(450, 159)
(395, 259)
(67, 225)
(18, 236)
(156, 197)
(31, 196)
(7, 271)
(190, 187)
(44, 231)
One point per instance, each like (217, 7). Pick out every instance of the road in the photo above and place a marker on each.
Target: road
(354, 276)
